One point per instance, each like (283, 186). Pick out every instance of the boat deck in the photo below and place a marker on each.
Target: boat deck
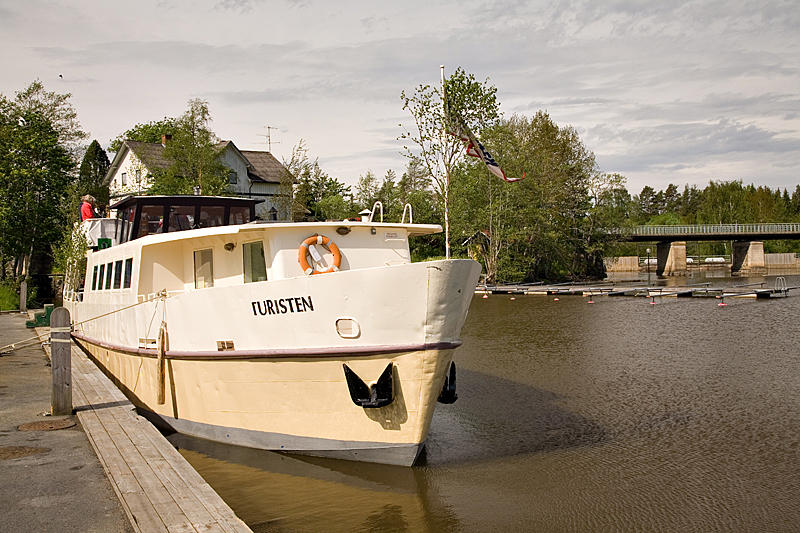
(157, 487)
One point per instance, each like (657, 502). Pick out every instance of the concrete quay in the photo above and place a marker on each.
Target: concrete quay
(155, 488)
(52, 480)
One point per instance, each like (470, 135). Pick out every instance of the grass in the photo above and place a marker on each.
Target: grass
(9, 299)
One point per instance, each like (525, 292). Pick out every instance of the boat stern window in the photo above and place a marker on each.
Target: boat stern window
(203, 269)
(255, 267)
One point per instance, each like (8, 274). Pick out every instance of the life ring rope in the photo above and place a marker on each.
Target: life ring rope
(322, 240)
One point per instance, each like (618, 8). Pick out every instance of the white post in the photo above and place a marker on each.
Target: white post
(446, 176)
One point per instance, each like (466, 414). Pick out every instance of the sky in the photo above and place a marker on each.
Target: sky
(661, 92)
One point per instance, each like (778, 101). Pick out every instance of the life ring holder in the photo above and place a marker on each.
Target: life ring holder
(302, 253)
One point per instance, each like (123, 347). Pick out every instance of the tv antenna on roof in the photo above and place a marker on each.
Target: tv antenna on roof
(269, 137)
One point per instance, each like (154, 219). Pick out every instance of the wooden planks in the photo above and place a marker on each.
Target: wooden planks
(158, 489)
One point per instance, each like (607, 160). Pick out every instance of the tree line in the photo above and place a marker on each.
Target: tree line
(549, 226)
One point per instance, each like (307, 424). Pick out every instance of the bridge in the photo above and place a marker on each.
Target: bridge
(748, 243)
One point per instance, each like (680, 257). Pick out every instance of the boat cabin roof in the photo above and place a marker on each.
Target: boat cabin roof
(138, 216)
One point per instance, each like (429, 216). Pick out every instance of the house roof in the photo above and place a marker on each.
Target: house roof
(151, 154)
(261, 165)
(265, 167)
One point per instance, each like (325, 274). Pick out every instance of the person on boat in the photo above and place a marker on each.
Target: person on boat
(87, 207)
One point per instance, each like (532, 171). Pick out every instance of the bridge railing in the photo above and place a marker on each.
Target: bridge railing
(708, 229)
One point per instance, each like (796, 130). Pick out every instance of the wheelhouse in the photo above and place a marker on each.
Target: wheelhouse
(139, 216)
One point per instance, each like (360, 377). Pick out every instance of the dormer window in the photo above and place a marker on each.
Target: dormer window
(124, 179)
(233, 177)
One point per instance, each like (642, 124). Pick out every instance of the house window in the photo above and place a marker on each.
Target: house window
(118, 274)
(108, 275)
(100, 277)
(203, 269)
(273, 213)
(233, 177)
(128, 273)
(124, 179)
(255, 268)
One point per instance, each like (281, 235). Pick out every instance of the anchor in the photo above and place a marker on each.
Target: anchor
(448, 394)
(377, 394)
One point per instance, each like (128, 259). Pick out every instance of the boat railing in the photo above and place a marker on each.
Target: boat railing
(374, 207)
(407, 207)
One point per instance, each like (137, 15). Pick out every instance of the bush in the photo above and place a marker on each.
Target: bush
(9, 299)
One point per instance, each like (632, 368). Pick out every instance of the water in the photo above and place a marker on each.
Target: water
(621, 415)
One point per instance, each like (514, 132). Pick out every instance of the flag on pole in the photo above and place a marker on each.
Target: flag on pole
(476, 149)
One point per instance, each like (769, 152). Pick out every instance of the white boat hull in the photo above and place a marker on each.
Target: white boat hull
(282, 387)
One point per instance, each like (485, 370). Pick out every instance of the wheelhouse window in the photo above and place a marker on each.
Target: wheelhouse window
(255, 267)
(203, 269)
(211, 216)
(94, 278)
(108, 275)
(126, 284)
(181, 217)
(240, 215)
(118, 274)
(100, 277)
(152, 220)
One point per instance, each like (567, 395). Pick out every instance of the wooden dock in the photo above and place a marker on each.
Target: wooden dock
(157, 487)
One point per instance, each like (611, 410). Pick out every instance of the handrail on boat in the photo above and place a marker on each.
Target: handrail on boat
(372, 214)
(410, 214)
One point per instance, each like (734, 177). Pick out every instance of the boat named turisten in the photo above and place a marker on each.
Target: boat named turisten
(320, 338)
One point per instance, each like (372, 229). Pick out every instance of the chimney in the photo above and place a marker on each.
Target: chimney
(165, 137)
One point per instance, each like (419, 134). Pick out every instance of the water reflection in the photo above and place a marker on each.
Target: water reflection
(614, 416)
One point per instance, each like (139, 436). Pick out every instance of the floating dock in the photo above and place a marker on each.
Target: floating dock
(704, 290)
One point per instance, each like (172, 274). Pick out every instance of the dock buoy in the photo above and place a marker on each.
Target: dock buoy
(590, 302)
(513, 297)
(722, 304)
(555, 299)
(485, 296)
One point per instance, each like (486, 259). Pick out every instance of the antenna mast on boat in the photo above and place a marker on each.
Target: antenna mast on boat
(446, 174)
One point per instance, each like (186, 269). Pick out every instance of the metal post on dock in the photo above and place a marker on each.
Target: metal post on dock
(60, 345)
(648, 267)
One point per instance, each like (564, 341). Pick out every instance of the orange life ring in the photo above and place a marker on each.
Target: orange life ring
(302, 252)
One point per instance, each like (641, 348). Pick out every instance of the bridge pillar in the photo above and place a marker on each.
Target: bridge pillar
(748, 258)
(671, 258)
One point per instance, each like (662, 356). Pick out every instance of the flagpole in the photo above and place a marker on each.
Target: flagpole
(446, 174)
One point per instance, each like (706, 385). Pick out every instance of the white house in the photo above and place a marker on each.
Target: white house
(253, 173)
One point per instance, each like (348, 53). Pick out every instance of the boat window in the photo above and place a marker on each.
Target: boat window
(94, 278)
(128, 273)
(108, 275)
(152, 220)
(181, 217)
(100, 277)
(118, 274)
(255, 268)
(211, 216)
(240, 215)
(203, 269)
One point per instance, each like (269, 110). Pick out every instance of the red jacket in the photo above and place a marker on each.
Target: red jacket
(87, 211)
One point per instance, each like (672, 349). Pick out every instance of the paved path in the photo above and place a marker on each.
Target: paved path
(49, 480)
